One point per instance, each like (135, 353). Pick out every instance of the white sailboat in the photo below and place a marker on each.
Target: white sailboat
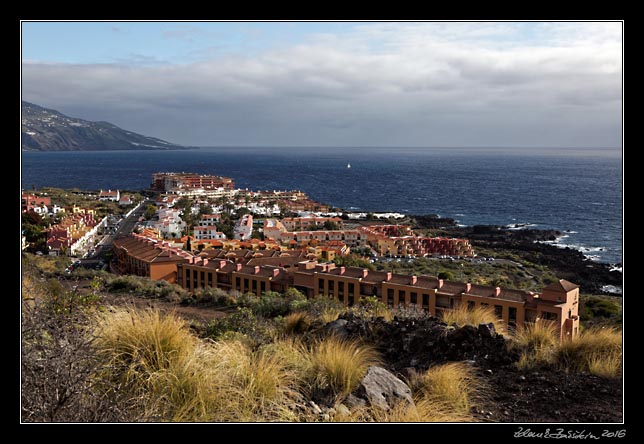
(348, 165)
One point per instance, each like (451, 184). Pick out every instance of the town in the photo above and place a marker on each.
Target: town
(199, 231)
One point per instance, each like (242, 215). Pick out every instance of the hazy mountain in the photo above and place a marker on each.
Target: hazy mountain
(48, 130)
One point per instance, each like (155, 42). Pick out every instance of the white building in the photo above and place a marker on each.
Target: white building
(244, 227)
(209, 220)
(109, 195)
(207, 233)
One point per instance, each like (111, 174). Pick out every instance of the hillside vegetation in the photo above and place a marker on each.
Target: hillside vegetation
(280, 357)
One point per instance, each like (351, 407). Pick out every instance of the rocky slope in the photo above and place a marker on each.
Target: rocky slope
(48, 130)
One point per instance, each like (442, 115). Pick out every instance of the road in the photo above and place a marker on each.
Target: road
(125, 227)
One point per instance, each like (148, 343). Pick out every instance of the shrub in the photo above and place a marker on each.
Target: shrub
(325, 308)
(372, 307)
(243, 321)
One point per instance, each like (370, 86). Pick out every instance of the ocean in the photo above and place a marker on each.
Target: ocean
(576, 191)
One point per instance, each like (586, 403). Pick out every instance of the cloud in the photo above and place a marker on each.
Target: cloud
(419, 84)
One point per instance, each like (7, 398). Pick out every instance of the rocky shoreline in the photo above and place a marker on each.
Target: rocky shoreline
(528, 244)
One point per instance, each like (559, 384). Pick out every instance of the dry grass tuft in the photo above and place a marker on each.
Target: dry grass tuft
(297, 322)
(596, 350)
(451, 388)
(338, 365)
(462, 315)
(538, 342)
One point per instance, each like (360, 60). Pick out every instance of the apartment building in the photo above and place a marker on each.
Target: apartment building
(558, 303)
(182, 181)
(310, 223)
(205, 232)
(142, 256)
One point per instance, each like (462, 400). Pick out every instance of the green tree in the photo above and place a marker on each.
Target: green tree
(150, 211)
(331, 226)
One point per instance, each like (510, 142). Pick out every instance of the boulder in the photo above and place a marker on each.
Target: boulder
(382, 389)
(487, 330)
(338, 328)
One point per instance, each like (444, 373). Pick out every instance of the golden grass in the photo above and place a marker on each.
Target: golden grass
(462, 315)
(297, 322)
(338, 365)
(423, 410)
(253, 385)
(451, 387)
(330, 314)
(173, 376)
(596, 350)
(538, 342)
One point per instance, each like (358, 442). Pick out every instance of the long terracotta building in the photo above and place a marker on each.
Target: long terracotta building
(558, 303)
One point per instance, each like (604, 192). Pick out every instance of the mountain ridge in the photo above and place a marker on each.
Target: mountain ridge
(45, 129)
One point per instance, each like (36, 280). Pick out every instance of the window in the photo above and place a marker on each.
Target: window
(246, 286)
(470, 305)
(498, 311)
(351, 288)
(547, 316)
(401, 297)
(332, 288)
(413, 298)
(512, 314)
(341, 290)
(210, 279)
(390, 297)
(426, 301)
(254, 282)
(262, 286)
(320, 285)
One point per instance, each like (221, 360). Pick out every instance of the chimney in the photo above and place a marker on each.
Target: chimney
(388, 277)
(440, 283)
(468, 287)
(222, 263)
(276, 271)
(365, 273)
(256, 270)
(342, 269)
(497, 292)
(238, 266)
(205, 261)
(529, 297)
(413, 279)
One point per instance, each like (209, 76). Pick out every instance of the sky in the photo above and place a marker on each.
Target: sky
(311, 84)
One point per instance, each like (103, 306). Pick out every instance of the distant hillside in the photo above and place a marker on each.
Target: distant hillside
(48, 130)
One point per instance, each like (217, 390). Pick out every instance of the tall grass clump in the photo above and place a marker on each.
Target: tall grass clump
(537, 342)
(596, 350)
(338, 365)
(297, 322)
(254, 385)
(452, 388)
(154, 355)
(463, 315)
